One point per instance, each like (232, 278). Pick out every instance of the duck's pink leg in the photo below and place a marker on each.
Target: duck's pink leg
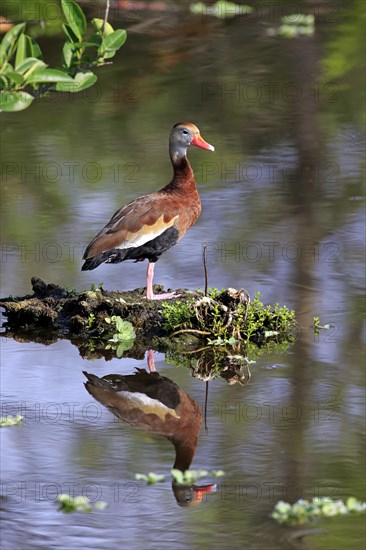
(151, 360)
(149, 286)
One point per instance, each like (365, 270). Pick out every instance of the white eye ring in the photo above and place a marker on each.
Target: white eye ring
(185, 132)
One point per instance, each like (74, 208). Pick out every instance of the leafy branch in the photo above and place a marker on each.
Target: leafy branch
(24, 74)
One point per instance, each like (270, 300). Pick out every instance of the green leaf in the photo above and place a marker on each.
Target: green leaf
(67, 55)
(70, 34)
(95, 39)
(36, 50)
(14, 101)
(115, 40)
(35, 66)
(49, 75)
(3, 82)
(27, 47)
(74, 16)
(29, 63)
(22, 51)
(81, 81)
(98, 25)
(15, 77)
(9, 42)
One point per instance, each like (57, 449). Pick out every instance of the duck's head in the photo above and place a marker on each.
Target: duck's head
(182, 136)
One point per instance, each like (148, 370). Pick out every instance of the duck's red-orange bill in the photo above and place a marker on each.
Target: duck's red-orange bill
(200, 142)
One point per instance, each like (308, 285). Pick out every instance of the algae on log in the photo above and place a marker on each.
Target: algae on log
(225, 319)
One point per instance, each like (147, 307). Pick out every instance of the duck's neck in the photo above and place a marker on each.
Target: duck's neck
(184, 452)
(183, 177)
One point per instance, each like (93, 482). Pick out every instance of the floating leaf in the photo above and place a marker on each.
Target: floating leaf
(6, 421)
(304, 511)
(151, 478)
(80, 503)
(217, 473)
(188, 477)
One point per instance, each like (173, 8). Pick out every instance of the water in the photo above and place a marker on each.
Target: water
(282, 214)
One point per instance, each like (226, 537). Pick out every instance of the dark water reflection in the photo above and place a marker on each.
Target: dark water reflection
(281, 215)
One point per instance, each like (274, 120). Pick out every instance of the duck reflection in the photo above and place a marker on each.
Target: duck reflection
(155, 404)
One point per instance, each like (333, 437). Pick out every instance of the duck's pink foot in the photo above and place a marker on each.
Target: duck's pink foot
(149, 286)
(165, 296)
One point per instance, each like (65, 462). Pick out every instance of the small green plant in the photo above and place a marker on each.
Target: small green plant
(71, 291)
(222, 341)
(150, 478)
(123, 339)
(228, 317)
(6, 421)
(178, 314)
(270, 320)
(70, 504)
(304, 511)
(317, 326)
(96, 288)
(24, 74)
(91, 321)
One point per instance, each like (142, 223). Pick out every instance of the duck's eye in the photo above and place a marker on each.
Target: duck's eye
(185, 132)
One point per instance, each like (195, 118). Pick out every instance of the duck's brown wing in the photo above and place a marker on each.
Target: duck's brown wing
(135, 224)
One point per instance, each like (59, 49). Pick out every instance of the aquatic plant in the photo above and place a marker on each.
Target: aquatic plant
(191, 476)
(229, 316)
(123, 338)
(80, 503)
(150, 478)
(304, 511)
(6, 421)
(180, 478)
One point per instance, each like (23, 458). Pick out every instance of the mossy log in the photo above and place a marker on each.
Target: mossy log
(188, 324)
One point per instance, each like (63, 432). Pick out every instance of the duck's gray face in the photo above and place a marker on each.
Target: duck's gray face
(185, 134)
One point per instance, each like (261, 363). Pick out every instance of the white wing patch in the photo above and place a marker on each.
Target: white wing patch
(147, 404)
(140, 240)
(157, 229)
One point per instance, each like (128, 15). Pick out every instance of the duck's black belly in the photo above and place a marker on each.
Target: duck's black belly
(152, 250)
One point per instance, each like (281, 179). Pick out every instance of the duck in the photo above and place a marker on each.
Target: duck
(147, 227)
(152, 403)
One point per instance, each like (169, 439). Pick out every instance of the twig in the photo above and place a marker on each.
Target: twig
(105, 17)
(195, 331)
(194, 351)
(204, 255)
(206, 403)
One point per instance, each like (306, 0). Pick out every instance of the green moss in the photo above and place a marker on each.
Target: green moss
(228, 316)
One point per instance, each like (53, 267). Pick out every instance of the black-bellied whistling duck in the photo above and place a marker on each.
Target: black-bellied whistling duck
(152, 403)
(156, 404)
(150, 225)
